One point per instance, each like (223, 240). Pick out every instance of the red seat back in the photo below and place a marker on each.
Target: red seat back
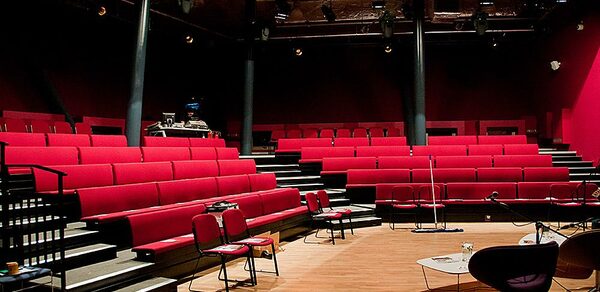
(388, 141)
(203, 153)
(110, 199)
(153, 154)
(234, 167)
(452, 140)
(177, 191)
(129, 173)
(79, 140)
(195, 169)
(95, 155)
(409, 162)
(150, 141)
(499, 174)
(487, 149)
(152, 227)
(234, 184)
(23, 139)
(108, 140)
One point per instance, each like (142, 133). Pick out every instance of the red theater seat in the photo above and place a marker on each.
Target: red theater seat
(444, 175)
(388, 141)
(534, 192)
(332, 166)
(383, 191)
(153, 154)
(316, 154)
(203, 153)
(376, 132)
(523, 161)
(95, 155)
(150, 141)
(394, 132)
(108, 140)
(521, 149)
(294, 145)
(490, 149)
(343, 133)
(277, 134)
(233, 184)
(377, 151)
(502, 139)
(293, 133)
(350, 142)
(227, 153)
(237, 166)
(14, 125)
(310, 133)
(409, 162)
(42, 155)
(499, 174)
(186, 190)
(463, 161)
(361, 178)
(130, 173)
(23, 139)
(105, 204)
(262, 182)
(326, 133)
(452, 140)
(359, 132)
(39, 126)
(79, 140)
(439, 150)
(475, 193)
(83, 128)
(62, 127)
(250, 205)
(282, 200)
(207, 142)
(78, 176)
(195, 169)
(555, 174)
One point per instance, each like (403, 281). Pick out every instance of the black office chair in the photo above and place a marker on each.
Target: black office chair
(582, 251)
(516, 268)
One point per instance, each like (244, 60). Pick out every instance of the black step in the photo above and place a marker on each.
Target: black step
(302, 186)
(261, 158)
(155, 284)
(284, 173)
(566, 158)
(276, 167)
(572, 163)
(581, 169)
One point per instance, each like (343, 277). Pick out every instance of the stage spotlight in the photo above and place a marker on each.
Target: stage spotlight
(555, 65)
(283, 10)
(378, 4)
(189, 39)
(298, 52)
(580, 26)
(102, 11)
(328, 12)
(486, 2)
(480, 22)
(186, 5)
(387, 48)
(264, 34)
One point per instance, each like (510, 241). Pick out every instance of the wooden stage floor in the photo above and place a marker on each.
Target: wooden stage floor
(375, 259)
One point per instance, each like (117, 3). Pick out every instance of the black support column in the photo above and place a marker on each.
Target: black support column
(419, 75)
(247, 119)
(134, 107)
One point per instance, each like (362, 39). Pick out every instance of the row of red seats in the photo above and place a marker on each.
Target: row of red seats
(86, 140)
(339, 165)
(41, 126)
(317, 154)
(475, 192)
(341, 132)
(96, 175)
(49, 156)
(365, 178)
(155, 239)
(100, 205)
(294, 146)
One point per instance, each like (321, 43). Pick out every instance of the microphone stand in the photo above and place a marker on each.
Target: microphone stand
(539, 225)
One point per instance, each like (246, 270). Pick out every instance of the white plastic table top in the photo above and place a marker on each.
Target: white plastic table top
(451, 264)
(530, 239)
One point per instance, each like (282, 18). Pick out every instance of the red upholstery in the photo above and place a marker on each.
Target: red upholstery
(96, 155)
(487, 149)
(499, 174)
(475, 193)
(521, 149)
(82, 140)
(207, 142)
(83, 128)
(111, 199)
(394, 132)
(234, 184)
(152, 226)
(310, 133)
(227, 153)
(410, 162)
(316, 154)
(359, 132)
(439, 150)
(463, 161)
(293, 133)
(153, 154)
(150, 141)
(502, 139)
(377, 151)
(62, 127)
(523, 161)
(277, 134)
(42, 155)
(452, 140)
(185, 190)
(350, 142)
(280, 200)
(39, 126)
(251, 205)
(108, 140)
(294, 145)
(556, 174)
(207, 234)
(78, 176)
(444, 175)
(535, 192)
(129, 173)
(14, 125)
(341, 165)
(343, 133)
(262, 182)
(326, 133)
(203, 153)
(370, 177)
(384, 191)
(376, 132)
(234, 167)
(195, 169)
(388, 141)
(23, 139)
(563, 192)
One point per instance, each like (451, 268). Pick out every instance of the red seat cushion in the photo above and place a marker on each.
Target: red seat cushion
(23, 139)
(150, 141)
(410, 162)
(388, 141)
(110, 199)
(128, 173)
(452, 140)
(195, 169)
(177, 191)
(262, 181)
(234, 184)
(109, 140)
(82, 140)
(96, 155)
(78, 176)
(203, 153)
(207, 142)
(42, 155)
(377, 151)
(153, 154)
(235, 167)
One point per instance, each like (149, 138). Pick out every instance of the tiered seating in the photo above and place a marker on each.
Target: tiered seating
(206, 142)
(521, 149)
(130, 173)
(195, 169)
(95, 155)
(408, 162)
(108, 140)
(337, 166)
(487, 149)
(234, 167)
(23, 139)
(388, 141)
(502, 139)
(316, 154)
(452, 140)
(540, 174)
(42, 155)
(293, 146)
(78, 176)
(367, 178)
(523, 161)
(350, 142)
(444, 175)
(203, 153)
(377, 151)
(499, 174)
(439, 150)
(153, 154)
(78, 140)
(150, 141)
(463, 161)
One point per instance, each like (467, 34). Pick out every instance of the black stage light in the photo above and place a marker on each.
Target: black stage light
(298, 52)
(387, 48)
(486, 2)
(102, 11)
(328, 12)
(378, 4)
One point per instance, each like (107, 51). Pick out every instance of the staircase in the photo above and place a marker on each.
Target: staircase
(289, 175)
(579, 170)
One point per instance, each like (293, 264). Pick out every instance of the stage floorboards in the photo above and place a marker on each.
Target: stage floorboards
(375, 259)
